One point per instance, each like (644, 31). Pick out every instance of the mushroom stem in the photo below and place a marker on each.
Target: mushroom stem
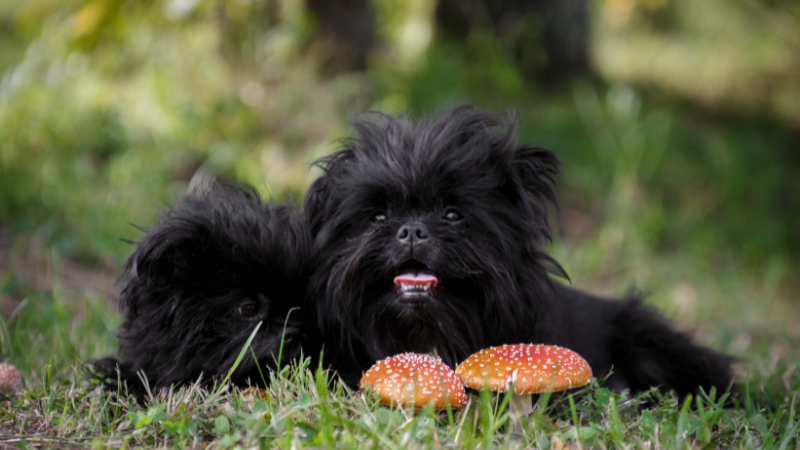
(519, 405)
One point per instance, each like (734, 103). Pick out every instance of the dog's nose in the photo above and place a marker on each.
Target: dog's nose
(412, 233)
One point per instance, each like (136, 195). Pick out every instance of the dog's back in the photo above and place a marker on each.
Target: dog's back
(637, 343)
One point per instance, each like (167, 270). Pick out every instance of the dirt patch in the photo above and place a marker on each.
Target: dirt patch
(27, 263)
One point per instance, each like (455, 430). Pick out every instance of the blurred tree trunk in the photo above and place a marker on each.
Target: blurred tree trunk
(549, 38)
(347, 29)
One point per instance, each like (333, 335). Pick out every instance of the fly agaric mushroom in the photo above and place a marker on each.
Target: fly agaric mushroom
(10, 379)
(531, 368)
(413, 379)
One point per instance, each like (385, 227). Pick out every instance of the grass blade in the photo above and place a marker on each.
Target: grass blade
(241, 355)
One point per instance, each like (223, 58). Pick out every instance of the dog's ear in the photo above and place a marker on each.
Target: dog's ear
(534, 174)
(315, 201)
(530, 171)
(537, 168)
(320, 200)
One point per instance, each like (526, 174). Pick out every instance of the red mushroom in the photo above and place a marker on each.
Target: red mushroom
(531, 368)
(417, 380)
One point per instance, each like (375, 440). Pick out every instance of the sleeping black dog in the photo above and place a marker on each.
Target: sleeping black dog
(216, 264)
(430, 238)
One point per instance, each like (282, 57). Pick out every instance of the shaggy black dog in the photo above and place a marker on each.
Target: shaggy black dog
(430, 236)
(216, 264)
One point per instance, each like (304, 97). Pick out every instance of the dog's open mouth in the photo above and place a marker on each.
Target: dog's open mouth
(414, 278)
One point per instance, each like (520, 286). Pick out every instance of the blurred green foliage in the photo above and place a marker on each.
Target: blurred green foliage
(109, 108)
(115, 105)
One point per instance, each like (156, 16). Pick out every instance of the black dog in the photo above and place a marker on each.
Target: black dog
(199, 282)
(430, 236)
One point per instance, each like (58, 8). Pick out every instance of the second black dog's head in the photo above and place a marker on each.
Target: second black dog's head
(430, 235)
(213, 267)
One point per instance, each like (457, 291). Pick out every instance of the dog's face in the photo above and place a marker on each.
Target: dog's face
(429, 235)
(200, 281)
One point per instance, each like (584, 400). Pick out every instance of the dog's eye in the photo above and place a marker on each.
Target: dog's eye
(452, 215)
(249, 310)
(379, 217)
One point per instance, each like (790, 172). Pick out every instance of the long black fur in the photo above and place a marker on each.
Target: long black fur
(478, 201)
(212, 268)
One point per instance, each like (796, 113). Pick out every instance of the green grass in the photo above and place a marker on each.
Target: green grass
(301, 409)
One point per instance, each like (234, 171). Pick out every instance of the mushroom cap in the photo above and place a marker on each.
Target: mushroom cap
(413, 379)
(534, 368)
(10, 379)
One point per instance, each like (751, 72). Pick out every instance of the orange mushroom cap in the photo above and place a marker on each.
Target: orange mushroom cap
(413, 379)
(534, 368)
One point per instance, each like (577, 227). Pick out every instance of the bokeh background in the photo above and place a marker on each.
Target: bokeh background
(678, 122)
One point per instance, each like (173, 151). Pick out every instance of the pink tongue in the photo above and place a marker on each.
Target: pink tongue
(416, 278)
